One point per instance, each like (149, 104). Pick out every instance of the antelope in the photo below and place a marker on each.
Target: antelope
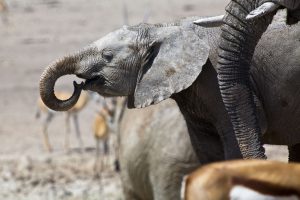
(243, 179)
(72, 113)
(105, 122)
(101, 134)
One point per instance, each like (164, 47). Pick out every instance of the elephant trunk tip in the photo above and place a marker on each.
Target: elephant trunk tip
(52, 102)
(47, 82)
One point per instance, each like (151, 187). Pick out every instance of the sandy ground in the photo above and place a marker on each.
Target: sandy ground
(34, 33)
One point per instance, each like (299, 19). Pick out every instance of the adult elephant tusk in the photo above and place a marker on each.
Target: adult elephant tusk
(210, 21)
(262, 10)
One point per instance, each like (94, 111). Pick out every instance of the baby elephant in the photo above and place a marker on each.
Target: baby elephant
(151, 63)
(155, 152)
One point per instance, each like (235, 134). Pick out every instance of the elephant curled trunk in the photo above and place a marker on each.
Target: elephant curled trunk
(60, 68)
(236, 48)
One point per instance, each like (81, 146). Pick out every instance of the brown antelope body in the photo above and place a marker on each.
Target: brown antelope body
(100, 127)
(101, 130)
(220, 181)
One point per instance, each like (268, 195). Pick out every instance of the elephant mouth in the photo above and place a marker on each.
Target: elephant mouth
(99, 84)
(92, 83)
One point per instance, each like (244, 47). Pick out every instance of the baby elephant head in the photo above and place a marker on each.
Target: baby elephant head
(148, 63)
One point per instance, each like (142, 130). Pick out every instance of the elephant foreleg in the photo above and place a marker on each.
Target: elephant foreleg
(206, 142)
(294, 153)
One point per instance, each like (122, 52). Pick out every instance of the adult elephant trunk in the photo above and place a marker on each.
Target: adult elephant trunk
(67, 65)
(238, 41)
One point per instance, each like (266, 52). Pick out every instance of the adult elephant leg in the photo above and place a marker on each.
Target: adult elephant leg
(294, 153)
(238, 40)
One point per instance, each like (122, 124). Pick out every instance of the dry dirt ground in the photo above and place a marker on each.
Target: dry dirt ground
(34, 33)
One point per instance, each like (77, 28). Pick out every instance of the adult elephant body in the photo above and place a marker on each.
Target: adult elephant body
(274, 76)
(155, 152)
(150, 63)
(239, 38)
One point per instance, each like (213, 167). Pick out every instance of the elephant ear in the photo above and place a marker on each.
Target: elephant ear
(173, 62)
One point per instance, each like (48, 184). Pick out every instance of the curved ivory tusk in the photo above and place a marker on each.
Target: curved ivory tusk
(262, 10)
(210, 21)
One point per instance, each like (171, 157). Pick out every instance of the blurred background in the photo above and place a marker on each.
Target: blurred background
(33, 34)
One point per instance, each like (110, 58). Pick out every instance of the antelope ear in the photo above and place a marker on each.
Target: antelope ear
(172, 63)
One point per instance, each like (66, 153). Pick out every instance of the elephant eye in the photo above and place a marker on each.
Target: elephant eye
(107, 55)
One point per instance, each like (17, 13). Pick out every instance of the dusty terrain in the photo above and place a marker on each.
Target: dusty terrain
(34, 33)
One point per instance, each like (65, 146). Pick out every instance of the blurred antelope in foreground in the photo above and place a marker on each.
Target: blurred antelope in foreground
(72, 113)
(244, 179)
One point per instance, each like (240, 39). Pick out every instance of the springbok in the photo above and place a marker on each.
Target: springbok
(73, 112)
(106, 121)
(101, 133)
(243, 179)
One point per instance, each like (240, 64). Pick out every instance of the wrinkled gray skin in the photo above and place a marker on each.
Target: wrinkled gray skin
(150, 63)
(238, 40)
(155, 152)
(293, 9)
